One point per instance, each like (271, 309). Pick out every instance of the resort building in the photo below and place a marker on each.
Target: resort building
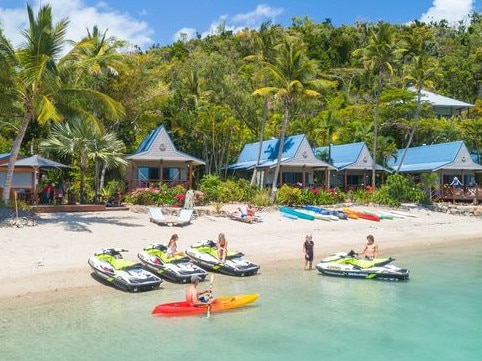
(353, 165)
(157, 160)
(450, 161)
(298, 166)
(443, 106)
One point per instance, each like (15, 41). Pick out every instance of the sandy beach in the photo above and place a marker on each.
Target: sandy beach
(52, 255)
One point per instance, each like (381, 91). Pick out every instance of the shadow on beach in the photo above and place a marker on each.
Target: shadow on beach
(81, 222)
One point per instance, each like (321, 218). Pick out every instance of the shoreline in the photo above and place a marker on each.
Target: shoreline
(55, 251)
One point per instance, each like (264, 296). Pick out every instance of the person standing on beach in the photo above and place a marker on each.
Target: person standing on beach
(371, 249)
(308, 251)
(222, 247)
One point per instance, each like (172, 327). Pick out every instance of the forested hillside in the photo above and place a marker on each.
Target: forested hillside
(335, 84)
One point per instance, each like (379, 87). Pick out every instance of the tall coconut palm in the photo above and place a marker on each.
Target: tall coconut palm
(293, 75)
(420, 69)
(377, 57)
(40, 83)
(265, 41)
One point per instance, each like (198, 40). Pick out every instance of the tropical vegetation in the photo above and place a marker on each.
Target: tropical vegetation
(336, 84)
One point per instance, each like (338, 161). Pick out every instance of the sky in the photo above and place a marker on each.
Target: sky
(147, 22)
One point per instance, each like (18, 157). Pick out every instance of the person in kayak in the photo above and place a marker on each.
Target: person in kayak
(308, 250)
(222, 247)
(194, 296)
(371, 249)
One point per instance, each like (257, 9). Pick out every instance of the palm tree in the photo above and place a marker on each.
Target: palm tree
(40, 83)
(83, 141)
(264, 44)
(429, 182)
(293, 73)
(377, 57)
(420, 70)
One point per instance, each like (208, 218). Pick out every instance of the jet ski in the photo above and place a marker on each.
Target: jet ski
(344, 264)
(178, 269)
(204, 254)
(110, 266)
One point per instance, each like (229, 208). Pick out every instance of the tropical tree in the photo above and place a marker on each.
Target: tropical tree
(265, 41)
(40, 83)
(83, 141)
(429, 182)
(421, 68)
(293, 75)
(377, 57)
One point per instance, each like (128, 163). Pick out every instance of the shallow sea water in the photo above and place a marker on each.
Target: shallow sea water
(300, 315)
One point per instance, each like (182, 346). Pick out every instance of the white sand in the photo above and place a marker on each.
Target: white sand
(52, 256)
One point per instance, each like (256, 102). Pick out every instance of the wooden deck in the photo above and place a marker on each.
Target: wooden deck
(466, 194)
(76, 208)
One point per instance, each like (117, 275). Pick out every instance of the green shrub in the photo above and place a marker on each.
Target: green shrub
(288, 195)
(363, 196)
(398, 189)
(261, 198)
(209, 185)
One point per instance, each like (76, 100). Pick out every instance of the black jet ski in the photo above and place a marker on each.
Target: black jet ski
(204, 254)
(348, 264)
(178, 269)
(109, 266)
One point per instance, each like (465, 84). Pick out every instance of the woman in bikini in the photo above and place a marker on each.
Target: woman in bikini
(222, 247)
(371, 249)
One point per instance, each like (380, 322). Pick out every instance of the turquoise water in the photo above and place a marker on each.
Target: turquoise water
(300, 315)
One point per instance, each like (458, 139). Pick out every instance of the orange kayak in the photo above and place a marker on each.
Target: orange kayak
(218, 305)
(352, 214)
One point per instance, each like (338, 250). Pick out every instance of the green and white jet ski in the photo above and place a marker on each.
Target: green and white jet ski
(204, 254)
(109, 266)
(178, 269)
(345, 264)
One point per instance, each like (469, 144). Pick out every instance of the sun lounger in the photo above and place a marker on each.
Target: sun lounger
(156, 216)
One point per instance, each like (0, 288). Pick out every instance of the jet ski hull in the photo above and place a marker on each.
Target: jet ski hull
(346, 265)
(204, 255)
(178, 269)
(109, 266)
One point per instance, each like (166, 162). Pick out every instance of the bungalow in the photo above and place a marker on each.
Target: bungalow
(353, 165)
(157, 160)
(298, 162)
(444, 107)
(447, 160)
(23, 178)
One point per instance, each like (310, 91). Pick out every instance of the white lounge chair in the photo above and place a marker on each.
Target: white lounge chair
(156, 216)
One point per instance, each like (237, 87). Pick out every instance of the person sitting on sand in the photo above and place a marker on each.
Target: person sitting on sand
(222, 247)
(172, 247)
(194, 296)
(251, 210)
(371, 249)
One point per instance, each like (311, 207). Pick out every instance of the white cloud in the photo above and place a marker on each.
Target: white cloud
(237, 22)
(184, 34)
(256, 17)
(450, 10)
(81, 17)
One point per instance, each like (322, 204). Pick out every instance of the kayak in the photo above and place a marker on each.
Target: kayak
(219, 304)
(297, 213)
(370, 217)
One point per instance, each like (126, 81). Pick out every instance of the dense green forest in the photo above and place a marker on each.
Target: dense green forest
(336, 84)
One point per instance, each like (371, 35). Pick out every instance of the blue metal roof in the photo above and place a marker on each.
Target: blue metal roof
(427, 157)
(269, 152)
(147, 141)
(342, 155)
